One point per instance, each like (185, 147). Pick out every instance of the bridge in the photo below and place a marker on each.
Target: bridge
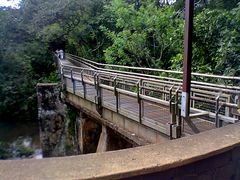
(143, 101)
(143, 108)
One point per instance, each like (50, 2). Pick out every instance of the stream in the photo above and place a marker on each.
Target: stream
(19, 140)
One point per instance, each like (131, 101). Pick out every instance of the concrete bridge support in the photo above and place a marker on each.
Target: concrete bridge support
(88, 134)
(96, 137)
(103, 140)
(110, 140)
(52, 120)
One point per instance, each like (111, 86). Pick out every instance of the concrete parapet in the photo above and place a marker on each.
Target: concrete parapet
(214, 154)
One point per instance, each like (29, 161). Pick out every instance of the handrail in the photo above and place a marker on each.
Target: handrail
(209, 86)
(164, 78)
(158, 70)
(193, 98)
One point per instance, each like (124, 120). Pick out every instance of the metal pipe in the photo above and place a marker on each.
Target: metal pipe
(155, 70)
(185, 108)
(83, 84)
(139, 101)
(217, 122)
(228, 89)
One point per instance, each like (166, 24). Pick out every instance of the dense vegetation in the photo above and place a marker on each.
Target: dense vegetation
(130, 32)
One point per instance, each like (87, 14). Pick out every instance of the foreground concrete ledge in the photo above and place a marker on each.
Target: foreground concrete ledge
(129, 162)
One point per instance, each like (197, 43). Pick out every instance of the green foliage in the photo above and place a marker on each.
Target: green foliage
(148, 36)
(72, 115)
(52, 78)
(211, 4)
(20, 150)
(216, 47)
(16, 149)
(4, 151)
(222, 4)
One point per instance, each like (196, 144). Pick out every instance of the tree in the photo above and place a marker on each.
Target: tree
(148, 36)
(222, 4)
(29, 35)
(216, 45)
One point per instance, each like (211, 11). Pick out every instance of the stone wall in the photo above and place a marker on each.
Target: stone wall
(52, 120)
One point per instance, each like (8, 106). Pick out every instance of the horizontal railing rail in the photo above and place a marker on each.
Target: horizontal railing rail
(95, 64)
(172, 80)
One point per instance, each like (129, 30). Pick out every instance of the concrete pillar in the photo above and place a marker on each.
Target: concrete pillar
(110, 140)
(88, 134)
(52, 120)
(81, 134)
(103, 140)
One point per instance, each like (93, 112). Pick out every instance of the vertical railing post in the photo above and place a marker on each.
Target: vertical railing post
(111, 82)
(191, 100)
(143, 92)
(170, 97)
(163, 94)
(178, 130)
(73, 82)
(139, 89)
(176, 100)
(227, 109)
(171, 109)
(174, 127)
(83, 85)
(173, 112)
(64, 85)
(61, 69)
(116, 94)
(99, 93)
(95, 80)
(61, 73)
(218, 122)
(238, 105)
(142, 84)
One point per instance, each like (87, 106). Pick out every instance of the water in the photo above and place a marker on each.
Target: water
(19, 140)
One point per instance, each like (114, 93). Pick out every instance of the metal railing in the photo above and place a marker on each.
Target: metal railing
(215, 104)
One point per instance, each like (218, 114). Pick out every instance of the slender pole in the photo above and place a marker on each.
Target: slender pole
(185, 106)
(189, 6)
